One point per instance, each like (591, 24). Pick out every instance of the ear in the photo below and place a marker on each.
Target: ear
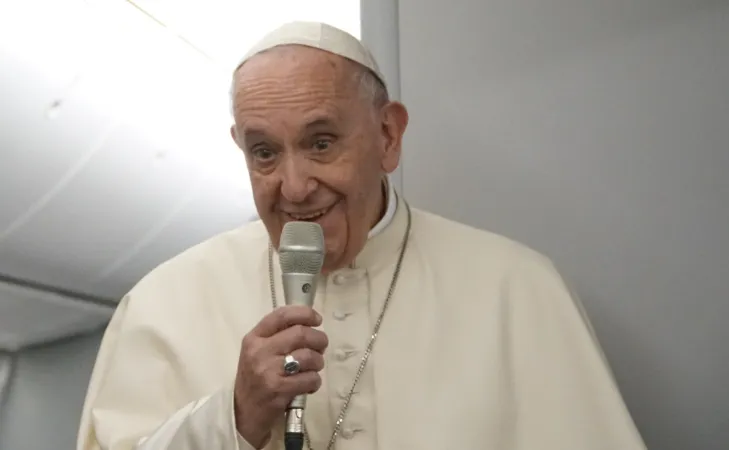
(394, 122)
(234, 136)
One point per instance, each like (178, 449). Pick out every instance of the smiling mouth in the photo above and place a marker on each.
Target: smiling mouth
(310, 216)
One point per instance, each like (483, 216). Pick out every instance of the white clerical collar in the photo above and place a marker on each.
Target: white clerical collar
(389, 212)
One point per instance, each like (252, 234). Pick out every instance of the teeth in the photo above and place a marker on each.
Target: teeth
(314, 215)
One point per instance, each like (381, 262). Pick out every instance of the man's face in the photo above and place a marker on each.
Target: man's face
(316, 148)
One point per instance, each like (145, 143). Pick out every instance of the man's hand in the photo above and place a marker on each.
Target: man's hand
(262, 389)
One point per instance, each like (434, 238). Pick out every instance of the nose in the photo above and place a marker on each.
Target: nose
(296, 181)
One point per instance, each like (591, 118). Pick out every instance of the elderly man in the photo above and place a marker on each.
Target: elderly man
(424, 334)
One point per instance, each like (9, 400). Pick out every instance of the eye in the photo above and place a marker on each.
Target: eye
(262, 153)
(322, 144)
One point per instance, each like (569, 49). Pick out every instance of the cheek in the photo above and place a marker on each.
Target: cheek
(351, 176)
(360, 187)
(264, 193)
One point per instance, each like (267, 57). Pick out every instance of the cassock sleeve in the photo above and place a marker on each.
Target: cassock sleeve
(565, 393)
(131, 404)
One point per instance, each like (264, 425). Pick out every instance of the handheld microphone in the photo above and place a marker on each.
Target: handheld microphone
(301, 256)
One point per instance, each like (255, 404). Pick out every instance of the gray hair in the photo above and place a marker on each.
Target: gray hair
(371, 87)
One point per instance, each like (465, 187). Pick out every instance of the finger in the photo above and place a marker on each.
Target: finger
(301, 383)
(286, 317)
(309, 361)
(297, 337)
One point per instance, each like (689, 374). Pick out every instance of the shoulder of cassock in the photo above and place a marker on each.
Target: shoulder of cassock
(183, 318)
(234, 253)
(226, 268)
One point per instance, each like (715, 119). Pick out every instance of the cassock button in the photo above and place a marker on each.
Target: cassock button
(339, 315)
(341, 354)
(339, 279)
(347, 433)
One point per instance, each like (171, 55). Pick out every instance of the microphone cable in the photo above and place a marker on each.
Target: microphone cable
(293, 440)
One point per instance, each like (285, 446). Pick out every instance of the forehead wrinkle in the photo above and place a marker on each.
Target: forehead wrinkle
(283, 126)
(292, 84)
(273, 95)
(264, 103)
(303, 117)
(294, 74)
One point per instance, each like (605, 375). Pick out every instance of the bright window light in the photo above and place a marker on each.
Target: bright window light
(224, 29)
(53, 42)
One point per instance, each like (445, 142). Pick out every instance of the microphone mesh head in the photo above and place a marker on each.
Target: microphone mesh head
(301, 249)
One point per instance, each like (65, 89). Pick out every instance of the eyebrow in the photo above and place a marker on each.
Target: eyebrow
(254, 134)
(319, 122)
(260, 134)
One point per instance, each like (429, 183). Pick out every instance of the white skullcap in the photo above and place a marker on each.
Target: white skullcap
(318, 35)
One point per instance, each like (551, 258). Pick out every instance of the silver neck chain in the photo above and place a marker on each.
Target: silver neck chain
(372, 339)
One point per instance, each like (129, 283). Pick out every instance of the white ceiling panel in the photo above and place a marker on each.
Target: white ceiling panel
(31, 317)
(38, 152)
(212, 207)
(123, 190)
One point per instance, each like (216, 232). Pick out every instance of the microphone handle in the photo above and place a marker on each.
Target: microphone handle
(295, 414)
(299, 288)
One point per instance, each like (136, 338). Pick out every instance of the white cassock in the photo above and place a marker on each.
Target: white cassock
(482, 347)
